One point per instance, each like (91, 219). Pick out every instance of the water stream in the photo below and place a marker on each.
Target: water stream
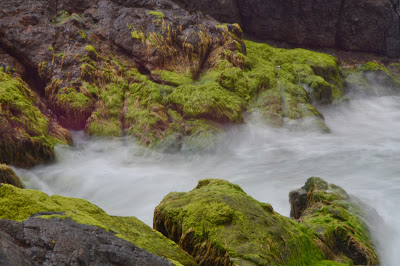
(361, 154)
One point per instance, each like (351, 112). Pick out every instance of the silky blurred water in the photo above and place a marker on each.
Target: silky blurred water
(361, 154)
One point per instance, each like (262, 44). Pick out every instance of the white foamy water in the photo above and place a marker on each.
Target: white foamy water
(361, 154)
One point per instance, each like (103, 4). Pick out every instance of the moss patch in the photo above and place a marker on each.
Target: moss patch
(19, 205)
(219, 224)
(329, 212)
(25, 136)
(8, 176)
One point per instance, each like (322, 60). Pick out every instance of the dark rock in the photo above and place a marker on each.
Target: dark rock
(63, 242)
(367, 25)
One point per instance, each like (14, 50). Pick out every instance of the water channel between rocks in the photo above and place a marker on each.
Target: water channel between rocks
(361, 154)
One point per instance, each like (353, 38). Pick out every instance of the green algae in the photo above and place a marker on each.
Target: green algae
(18, 205)
(234, 228)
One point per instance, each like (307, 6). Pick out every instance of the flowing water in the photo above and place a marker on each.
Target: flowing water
(361, 154)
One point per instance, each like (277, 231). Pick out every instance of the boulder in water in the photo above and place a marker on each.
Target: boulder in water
(337, 220)
(218, 224)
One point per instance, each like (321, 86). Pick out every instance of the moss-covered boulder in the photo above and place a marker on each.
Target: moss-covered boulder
(218, 224)
(372, 78)
(331, 214)
(8, 176)
(27, 136)
(20, 204)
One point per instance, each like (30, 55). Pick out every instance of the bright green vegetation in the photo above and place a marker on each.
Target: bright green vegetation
(195, 88)
(8, 176)
(25, 139)
(218, 223)
(160, 15)
(335, 219)
(209, 101)
(282, 84)
(19, 204)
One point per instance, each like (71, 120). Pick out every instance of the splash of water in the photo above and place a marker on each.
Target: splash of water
(361, 154)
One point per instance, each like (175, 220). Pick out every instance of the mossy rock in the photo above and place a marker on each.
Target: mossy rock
(8, 176)
(27, 136)
(218, 224)
(372, 79)
(329, 212)
(300, 79)
(20, 204)
(208, 101)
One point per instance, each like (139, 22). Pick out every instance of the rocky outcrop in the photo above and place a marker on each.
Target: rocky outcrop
(8, 176)
(218, 224)
(332, 215)
(63, 242)
(369, 26)
(152, 70)
(21, 204)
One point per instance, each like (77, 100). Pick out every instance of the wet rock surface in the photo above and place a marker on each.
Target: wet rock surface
(63, 242)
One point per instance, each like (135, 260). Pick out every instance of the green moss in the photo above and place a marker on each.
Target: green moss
(335, 219)
(234, 227)
(296, 79)
(24, 139)
(82, 34)
(175, 79)
(209, 101)
(8, 176)
(368, 77)
(19, 205)
(160, 15)
(203, 136)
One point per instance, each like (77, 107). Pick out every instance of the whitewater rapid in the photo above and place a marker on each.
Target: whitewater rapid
(361, 154)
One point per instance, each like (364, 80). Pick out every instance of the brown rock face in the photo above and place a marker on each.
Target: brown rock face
(366, 25)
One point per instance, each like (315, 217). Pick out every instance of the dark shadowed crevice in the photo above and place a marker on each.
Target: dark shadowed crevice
(31, 76)
(337, 45)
